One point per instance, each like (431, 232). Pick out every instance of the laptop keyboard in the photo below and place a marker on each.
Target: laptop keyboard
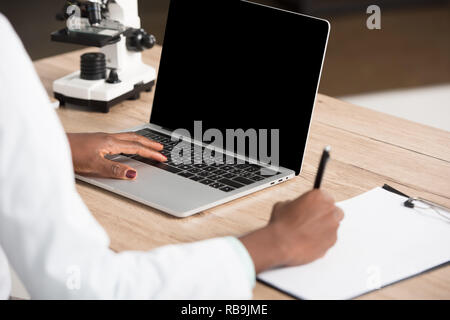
(225, 177)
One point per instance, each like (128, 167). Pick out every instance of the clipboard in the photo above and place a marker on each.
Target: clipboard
(378, 233)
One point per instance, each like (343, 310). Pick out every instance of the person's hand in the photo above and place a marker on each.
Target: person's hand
(299, 232)
(89, 151)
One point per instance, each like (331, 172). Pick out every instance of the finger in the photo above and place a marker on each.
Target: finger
(319, 196)
(131, 136)
(132, 147)
(116, 170)
(333, 240)
(326, 197)
(338, 214)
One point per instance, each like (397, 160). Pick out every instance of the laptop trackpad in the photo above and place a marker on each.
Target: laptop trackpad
(161, 189)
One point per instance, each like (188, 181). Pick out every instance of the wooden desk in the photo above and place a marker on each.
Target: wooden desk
(369, 149)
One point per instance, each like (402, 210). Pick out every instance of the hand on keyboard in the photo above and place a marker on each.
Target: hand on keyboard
(89, 151)
(225, 177)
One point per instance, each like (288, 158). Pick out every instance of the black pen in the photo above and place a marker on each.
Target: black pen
(322, 165)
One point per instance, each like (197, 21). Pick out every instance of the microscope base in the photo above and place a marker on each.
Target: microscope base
(104, 106)
(99, 95)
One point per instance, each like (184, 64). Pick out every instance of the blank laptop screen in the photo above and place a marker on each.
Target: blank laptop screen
(233, 64)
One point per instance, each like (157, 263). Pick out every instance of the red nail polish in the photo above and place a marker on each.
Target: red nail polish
(131, 174)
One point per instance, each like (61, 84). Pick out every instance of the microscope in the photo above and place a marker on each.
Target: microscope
(116, 72)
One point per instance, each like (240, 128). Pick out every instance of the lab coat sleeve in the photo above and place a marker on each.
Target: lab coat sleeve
(49, 236)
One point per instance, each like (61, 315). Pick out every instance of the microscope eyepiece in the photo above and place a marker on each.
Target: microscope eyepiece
(94, 12)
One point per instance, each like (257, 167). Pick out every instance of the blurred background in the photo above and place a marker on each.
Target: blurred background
(402, 69)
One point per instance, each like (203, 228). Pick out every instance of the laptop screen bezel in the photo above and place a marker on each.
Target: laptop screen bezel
(313, 20)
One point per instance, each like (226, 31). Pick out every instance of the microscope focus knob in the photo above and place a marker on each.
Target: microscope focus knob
(148, 41)
(139, 40)
(93, 66)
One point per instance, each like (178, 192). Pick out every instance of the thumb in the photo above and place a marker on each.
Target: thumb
(117, 170)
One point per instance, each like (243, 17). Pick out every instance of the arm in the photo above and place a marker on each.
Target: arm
(50, 238)
(60, 251)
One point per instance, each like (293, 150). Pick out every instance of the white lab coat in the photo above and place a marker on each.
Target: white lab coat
(49, 236)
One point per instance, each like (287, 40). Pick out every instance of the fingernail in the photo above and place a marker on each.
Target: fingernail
(131, 174)
(164, 158)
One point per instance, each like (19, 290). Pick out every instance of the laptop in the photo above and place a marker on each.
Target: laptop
(230, 70)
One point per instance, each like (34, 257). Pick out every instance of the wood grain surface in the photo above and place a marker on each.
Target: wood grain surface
(369, 149)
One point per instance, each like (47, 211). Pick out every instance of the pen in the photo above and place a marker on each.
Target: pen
(322, 165)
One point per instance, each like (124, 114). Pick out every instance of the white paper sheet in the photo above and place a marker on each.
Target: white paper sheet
(379, 242)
